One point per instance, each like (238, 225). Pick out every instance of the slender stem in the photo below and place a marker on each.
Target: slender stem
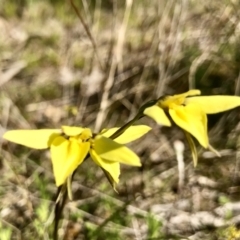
(86, 28)
(139, 115)
(124, 128)
(58, 209)
(61, 199)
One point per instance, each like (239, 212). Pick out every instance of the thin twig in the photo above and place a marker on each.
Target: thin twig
(88, 32)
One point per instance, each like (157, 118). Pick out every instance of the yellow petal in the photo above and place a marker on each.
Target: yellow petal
(193, 120)
(131, 134)
(69, 188)
(166, 102)
(192, 148)
(115, 152)
(113, 168)
(157, 114)
(66, 157)
(72, 131)
(38, 139)
(212, 149)
(215, 104)
(192, 92)
(110, 179)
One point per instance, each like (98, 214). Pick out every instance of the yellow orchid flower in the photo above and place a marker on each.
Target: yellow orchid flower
(189, 111)
(69, 147)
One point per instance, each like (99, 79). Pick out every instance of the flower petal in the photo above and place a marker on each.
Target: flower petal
(192, 92)
(38, 139)
(166, 102)
(66, 156)
(113, 168)
(157, 114)
(72, 131)
(215, 104)
(110, 179)
(212, 149)
(115, 152)
(192, 148)
(193, 120)
(131, 134)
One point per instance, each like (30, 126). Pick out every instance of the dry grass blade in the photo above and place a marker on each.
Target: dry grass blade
(12, 71)
(88, 32)
(116, 61)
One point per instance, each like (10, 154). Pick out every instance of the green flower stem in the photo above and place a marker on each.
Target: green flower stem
(60, 203)
(139, 115)
(122, 129)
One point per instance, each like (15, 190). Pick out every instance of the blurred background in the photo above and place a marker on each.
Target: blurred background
(93, 64)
